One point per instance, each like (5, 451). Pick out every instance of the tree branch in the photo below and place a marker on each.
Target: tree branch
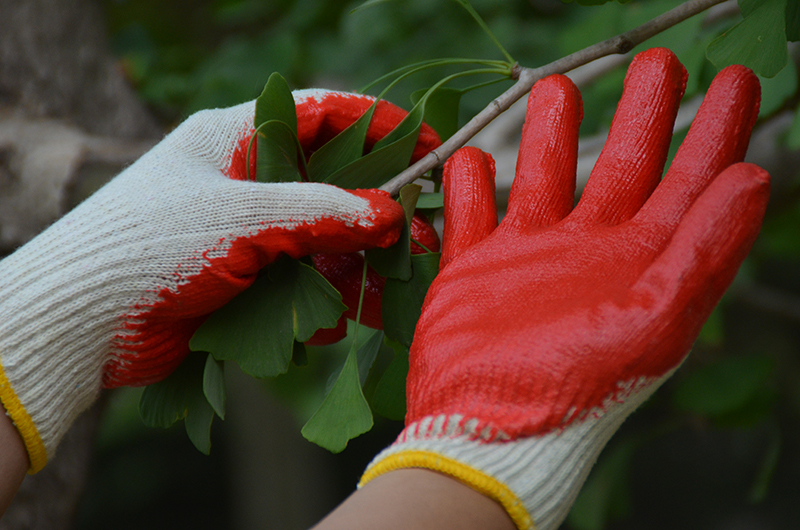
(620, 44)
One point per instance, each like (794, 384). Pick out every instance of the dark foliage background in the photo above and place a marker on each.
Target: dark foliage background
(716, 448)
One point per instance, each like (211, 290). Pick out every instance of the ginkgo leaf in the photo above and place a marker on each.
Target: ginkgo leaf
(343, 414)
(401, 305)
(275, 122)
(167, 401)
(758, 41)
(277, 159)
(342, 150)
(441, 109)
(180, 397)
(197, 422)
(276, 103)
(258, 328)
(214, 385)
(388, 157)
(389, 399)
(430, 201)
(365, 356)
(394, 261)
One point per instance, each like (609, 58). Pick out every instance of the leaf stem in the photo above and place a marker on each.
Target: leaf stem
(423, 247)
(432, 63)
(360, 304)
(474, 14)
(620, 44)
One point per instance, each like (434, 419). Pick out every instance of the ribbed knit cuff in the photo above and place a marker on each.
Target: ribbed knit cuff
(58, 317)
(536, 479)
(37, 453)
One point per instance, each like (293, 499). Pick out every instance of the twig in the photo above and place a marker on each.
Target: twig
(526, 78)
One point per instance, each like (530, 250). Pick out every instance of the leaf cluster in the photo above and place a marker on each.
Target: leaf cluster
(263, 329)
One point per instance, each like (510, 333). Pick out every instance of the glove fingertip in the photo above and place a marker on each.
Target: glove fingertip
(387, 215)
(470, 207)
(630, 165)
(712, 240)
(543, 191)
(721, 130)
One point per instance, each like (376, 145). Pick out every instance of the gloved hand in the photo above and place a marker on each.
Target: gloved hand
(111, 294)
(540, 336)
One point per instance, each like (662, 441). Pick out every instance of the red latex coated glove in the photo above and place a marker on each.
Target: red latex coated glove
(345, 271)
(321, 115)
(111, 294)
(539, 337)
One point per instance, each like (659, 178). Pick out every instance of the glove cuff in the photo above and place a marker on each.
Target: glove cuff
(536, 479)
(52, 332)
(37, 454)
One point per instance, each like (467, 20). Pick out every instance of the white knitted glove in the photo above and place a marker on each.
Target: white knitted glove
(111, 294)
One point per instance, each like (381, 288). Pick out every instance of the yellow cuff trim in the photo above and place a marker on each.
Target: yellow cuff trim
(37, 454)
(477, 480)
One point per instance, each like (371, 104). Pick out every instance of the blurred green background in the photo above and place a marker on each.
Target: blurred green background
(716, 447)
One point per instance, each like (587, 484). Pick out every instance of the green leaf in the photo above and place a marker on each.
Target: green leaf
(430, 201)
(377, 167)
(299, 355)
(793, 20)
(441, 109)
(167, 401)
(214, 385)
(198, 422)
(389, 399)
(758, 41)
(277, 153)
(365, 356)
(724, 388)
(409, 195)
(180, 397)
(343, 414)
(401, 304)
(276, 125)
(317, 304)
(394, 261)
(276, 103)
(408, 128)
(257, 329)
(342, 150)
(388, 157)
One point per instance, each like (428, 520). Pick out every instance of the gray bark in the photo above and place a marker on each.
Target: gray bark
(67, 116)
